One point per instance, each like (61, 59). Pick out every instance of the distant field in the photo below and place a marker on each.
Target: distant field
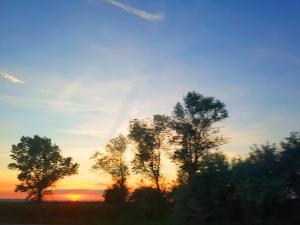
(85, 213)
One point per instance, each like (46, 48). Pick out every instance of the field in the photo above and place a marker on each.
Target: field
(80, 213)
(88, 213)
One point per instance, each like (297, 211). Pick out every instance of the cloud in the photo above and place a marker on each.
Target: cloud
(77, 97)
(11, 78)
(137, 12)
(97, 106)
(92, 132)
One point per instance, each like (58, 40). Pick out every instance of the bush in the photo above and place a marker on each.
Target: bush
(150, 202)
(208, 195)
(115, 195)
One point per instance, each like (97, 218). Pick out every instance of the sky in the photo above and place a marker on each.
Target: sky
(78, 71)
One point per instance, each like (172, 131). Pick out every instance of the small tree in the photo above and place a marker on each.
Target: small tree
(113, 162)
(115, 194)
(149, 137)
(195, 134)
(150, 202)
(40, 164)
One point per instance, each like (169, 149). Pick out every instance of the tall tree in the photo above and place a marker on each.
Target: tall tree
(193, 123)
(113, 161)
(41, 165)
(149, 137)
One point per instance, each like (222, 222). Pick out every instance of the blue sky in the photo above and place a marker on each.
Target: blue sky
(86, 67)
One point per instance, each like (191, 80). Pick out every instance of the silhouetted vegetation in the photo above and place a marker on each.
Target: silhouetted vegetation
(40, 164)
(195, 134)
(116, 194)
(207, 196)
(150, 202)
(263, 188)
(113, 162)
(148, 137)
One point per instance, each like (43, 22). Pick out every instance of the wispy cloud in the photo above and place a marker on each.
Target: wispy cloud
(11, 78)
(145, 15)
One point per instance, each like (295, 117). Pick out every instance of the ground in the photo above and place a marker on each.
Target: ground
(70, 213)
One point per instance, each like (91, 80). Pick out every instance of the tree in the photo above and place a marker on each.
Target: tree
(150, 202)
(290, 159)
(261, 188)
(259, 184)
(207, 195)
(113, 162)
(149, 137)
(41, 165)
(115, 194)
(195, 134)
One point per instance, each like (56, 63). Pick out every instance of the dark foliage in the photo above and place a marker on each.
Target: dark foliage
(116, 195)
(195, 134)
(112, 161)
(207, 196)
(261, 189)
(150, 202)
(40, 164)
(148, 137)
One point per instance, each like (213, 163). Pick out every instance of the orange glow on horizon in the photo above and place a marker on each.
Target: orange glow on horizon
(74, 197)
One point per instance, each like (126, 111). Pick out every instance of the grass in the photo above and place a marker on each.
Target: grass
(84, 213)
(81, 213)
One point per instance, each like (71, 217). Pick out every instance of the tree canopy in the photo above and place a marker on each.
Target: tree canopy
(261, 188)
(193, 123)
(149, 137)
(112, 160)
(40, 164)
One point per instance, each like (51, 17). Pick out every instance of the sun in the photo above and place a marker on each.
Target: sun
(74, 197)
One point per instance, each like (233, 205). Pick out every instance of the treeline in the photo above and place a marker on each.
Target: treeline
(185, 136)
(264, 187)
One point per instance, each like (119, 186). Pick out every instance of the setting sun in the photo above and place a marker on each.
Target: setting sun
(74, 197)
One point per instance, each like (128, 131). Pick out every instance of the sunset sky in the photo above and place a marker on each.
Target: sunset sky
(78, 71)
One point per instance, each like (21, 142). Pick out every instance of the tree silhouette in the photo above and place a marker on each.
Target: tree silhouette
(290, 158)
(149, 137)
(206, 195)
(40, 164)
(115, 194)
(258, 182)
(195, 134)
(262, 188)
(113, 162)
(149, 201)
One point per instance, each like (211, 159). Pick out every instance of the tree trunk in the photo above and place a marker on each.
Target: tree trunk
(39, 196)
(157, 185)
